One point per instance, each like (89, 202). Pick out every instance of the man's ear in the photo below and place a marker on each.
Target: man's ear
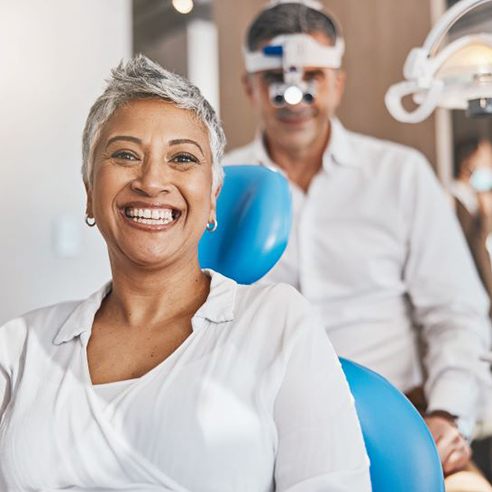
(247, 82)
(341, 79)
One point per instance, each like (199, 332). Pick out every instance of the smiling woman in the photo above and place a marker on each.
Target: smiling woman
(152, 174)
(170, 377)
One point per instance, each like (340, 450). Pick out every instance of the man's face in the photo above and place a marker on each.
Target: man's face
(302, 124)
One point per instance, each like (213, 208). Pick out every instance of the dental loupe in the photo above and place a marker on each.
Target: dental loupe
(291, 53)
(459, 76)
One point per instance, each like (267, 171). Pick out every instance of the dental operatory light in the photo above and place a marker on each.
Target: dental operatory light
(183, 6)
(290, 54)
(458, 76)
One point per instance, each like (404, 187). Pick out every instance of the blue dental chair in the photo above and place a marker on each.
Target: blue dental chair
(254, 215)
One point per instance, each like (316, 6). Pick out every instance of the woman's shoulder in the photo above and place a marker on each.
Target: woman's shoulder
(47, 317)
(272, 296)
(271, 320)
(38, 326)
(279, 307)
(242, 297)
(51, 318)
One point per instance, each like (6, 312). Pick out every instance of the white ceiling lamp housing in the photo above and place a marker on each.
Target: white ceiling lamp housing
(459, 76)
(183, 6)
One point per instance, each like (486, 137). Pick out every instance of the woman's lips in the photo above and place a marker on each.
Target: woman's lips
(151, 217)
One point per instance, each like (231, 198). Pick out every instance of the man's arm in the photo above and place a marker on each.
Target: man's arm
(449, 304)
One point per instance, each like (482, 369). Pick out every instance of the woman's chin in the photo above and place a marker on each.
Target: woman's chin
(146, 257)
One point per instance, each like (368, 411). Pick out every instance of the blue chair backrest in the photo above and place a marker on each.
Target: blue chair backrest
(254, 214)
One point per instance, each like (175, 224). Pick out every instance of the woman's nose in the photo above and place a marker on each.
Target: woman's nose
(153, 178)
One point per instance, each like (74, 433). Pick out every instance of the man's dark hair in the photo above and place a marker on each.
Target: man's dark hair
(288, 18)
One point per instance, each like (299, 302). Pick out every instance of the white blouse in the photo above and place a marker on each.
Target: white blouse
(253, 400)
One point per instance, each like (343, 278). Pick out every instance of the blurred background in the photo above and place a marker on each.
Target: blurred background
(55, 55)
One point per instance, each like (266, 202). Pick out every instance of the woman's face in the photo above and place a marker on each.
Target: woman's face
(151, 193)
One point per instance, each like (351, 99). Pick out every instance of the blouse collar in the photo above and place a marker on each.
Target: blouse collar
(218, 308)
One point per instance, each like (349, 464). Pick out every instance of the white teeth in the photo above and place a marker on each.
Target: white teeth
(150, 215)
(140, 220)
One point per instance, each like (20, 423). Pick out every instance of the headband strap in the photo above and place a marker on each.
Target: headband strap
(294, 50)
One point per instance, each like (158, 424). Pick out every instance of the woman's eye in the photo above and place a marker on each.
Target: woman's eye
(125, 155)
(184, 158)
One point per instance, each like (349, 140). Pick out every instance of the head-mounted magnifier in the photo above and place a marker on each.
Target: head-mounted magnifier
(291, 53)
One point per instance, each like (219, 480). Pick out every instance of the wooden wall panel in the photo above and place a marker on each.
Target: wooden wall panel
(378, 33)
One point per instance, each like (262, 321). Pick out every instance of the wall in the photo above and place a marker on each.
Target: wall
(185, 44)
(378, 34)
(54, 56)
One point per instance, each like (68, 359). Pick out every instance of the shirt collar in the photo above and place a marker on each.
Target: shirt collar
(339, 149)
(220, 303)
(261, 153)
(218, 308)
(82, 317)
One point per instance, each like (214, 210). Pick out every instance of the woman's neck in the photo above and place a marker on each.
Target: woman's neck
(141, 297)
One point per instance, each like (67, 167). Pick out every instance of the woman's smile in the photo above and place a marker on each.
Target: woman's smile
(150, 217)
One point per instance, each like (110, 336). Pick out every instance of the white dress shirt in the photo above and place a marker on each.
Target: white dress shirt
(253, 400)
(375, 247)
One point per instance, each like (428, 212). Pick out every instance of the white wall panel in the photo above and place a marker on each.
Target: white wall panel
(54, 57)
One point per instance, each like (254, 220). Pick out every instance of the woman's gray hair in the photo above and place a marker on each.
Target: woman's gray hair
(141, 78)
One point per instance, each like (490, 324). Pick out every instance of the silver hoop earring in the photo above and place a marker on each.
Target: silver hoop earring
(212, 225)
(90, 221)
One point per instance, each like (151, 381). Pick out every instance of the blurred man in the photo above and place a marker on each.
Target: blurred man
(374, 244)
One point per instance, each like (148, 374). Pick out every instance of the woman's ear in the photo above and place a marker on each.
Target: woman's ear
(88, 203)
(213, 204)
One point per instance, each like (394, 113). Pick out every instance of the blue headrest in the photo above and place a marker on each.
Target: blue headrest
(254, 216)
(401, 449)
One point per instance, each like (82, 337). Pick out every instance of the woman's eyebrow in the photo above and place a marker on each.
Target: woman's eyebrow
(128, 138)
(178, 141)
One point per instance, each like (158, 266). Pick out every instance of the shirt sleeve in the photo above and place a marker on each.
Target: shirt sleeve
(12, 342)
(320, 444)
(448, 299)
(5, 386)
(4, 391)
